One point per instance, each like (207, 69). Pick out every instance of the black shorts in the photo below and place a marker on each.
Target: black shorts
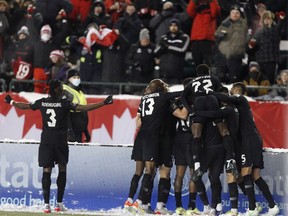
(182, 149)
(51, 154)
(166, 150)
(213, 158)
(204, 103)
(252, 151)
(146, 146)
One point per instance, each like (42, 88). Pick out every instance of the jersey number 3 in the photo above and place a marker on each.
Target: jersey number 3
(52, 118)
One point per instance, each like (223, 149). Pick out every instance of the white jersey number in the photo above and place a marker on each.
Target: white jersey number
(202, 86)
(148, 106)
(52, 113)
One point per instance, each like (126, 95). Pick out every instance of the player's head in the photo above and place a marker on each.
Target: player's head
(224, 90)
(157, 85)
(238, 88)
(202, 70)
(55, 88)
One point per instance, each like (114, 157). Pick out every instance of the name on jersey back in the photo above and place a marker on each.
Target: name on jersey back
(46, 104)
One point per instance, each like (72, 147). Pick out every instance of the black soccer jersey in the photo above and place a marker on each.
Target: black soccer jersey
(54, 114)
(153, 108)
(201, 86)
(247, 125)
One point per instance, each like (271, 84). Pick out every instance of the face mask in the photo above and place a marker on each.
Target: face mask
(45, 37)
(253, 75)
(75, 82)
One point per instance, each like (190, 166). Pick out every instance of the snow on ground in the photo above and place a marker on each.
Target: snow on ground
(112, 212)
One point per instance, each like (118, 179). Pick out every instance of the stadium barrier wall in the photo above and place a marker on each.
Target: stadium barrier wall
(115, 124)
(99, 177)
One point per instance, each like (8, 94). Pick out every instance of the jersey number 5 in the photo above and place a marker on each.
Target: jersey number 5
(52, 118)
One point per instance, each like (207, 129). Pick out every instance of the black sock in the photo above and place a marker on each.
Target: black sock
(196, 149)
(233, 192)
(229, 147)
(216, 192)
(192, 200)
(163, 190)
(264, 188)
(201, 190)
(61, 185)
(134, 185)
(46, 183)
(249, 188)
(242, 187)
(178, 199)
(145, 189)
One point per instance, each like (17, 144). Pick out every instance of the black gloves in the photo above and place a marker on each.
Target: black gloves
(8, 99)
(108, 100)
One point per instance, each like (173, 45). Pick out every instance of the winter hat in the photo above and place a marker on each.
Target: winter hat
(235, 7)
(5, 3)
(254, 64)
(23, 30)
(71, 73)
(46, 29)
(144, 34)
(175, 21)
(58, 53)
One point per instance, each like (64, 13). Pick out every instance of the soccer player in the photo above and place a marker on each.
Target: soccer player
(251, 147)
(196, 93)
(152, 109)
(53, 148)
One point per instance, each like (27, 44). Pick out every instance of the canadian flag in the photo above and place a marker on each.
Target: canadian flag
(104, 36)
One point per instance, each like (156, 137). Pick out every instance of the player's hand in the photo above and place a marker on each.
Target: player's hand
(8, 99)
(108, 100)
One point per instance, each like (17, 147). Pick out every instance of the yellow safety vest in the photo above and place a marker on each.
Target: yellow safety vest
(78, 96)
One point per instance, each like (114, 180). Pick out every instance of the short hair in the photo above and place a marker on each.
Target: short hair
(240, 85)
(53, 84)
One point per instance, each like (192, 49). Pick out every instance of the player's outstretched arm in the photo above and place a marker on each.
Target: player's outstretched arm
(88, 107)
(19, 105)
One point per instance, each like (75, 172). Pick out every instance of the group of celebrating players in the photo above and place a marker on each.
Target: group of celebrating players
(205, 127)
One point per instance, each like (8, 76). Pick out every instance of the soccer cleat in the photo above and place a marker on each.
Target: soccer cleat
(47, 208)
(258, 207)
(59, 207)
(206, 209)
(212, 212)
(162, 211)
(138, 208)
(193, 212)
(196, 175)
(231, 213)
(180, 211)
(273, 211)
(254, 212)
(231, 167)
(128, 204)
(219, 209)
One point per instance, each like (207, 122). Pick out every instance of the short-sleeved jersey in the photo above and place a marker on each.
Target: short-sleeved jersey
(153, 108)
(201, 86)
(54, 114)
(211, 136)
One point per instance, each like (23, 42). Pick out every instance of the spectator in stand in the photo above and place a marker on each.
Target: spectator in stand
(231, 36)
(204, 14)
(4, 20)
(266, 43)
(42, 49)
(98, 15)
(140, 60)
(282, 82)
(129, 27)
(53, 11)
(161, 22)
(256, 78)
(170, 53)
(256, 21)
(116, 8)
(147, 10)
(80, 10)
(22, 60)
(59, 66)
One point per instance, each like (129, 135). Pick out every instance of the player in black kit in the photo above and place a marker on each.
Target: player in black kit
(53, 148)
(251, 149)
(196, 94)
(152, 109)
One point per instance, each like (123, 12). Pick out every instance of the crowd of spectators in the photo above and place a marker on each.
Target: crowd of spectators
(40, 40)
